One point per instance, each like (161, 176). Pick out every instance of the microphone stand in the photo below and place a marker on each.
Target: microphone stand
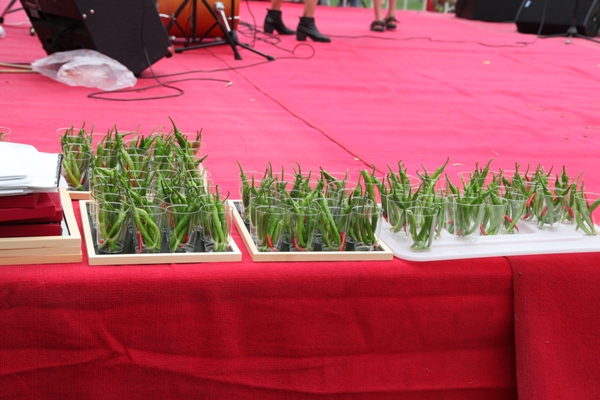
(572, 31)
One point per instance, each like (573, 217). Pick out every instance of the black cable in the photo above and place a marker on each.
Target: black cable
(98, 95)
(518, 44)
(250, 30)
(253, 22)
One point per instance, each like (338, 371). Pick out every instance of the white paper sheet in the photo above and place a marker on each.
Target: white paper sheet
(23, 169)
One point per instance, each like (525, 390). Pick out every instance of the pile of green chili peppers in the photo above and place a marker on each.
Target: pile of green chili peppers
(310, 211)
(76, 146)
(148, 177)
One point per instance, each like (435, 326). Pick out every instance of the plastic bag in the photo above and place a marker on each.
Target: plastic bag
(85, 68)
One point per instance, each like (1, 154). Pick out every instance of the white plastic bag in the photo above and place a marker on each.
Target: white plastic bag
(85, 68)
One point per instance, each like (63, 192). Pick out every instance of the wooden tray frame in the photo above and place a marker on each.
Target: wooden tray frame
(162, 258)
(46, 249)
(80, 195)
(385, 254)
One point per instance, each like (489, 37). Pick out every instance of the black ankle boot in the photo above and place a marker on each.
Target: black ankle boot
(273, 21)
(307, 27)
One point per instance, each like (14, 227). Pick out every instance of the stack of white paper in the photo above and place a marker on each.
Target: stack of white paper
(23, 169)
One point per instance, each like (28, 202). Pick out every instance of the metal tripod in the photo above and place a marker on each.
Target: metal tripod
(231, 37)
(572, 31)
(8, 10)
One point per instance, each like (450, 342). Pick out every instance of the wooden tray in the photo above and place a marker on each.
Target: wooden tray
(83, 195)
(384, 253)
(46, 249)
(161, 258)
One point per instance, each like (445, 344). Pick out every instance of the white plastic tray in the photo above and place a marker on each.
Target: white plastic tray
(529, 240)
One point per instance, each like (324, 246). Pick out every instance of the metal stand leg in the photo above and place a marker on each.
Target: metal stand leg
(8, 10)
(230, 35)
(572, 31)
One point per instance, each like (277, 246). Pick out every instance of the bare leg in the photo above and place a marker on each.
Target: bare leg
(391, 8)
(276, 4)
(309, 8)
(377, 9)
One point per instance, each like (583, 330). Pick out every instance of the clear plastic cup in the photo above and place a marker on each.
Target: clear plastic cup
(422, 224)
(5, 134)
(216, 226)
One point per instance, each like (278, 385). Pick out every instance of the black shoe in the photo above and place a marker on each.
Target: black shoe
(273, 21)
(390, 22)
(307, 27)
(377, 26)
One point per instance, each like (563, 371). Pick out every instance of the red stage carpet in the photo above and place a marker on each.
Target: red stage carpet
(436, 87)
(439, 86)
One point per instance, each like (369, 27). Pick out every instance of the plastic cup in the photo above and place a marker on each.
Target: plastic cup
(439, 204)
(586, 212)
(396, 215)
(255, 202)
(270, 227)
(5, 134)
(112, 223)
(216, 227)
(548, 209)
(302, 224)
(76, 165)
(149, 229)
(449, 220)
(494, 217)
(421, 227)
(515, 211)
(250, 181)
(75, 139)
(181, 228)
(103, 193)
(339, 191)
(365, 223)
(468, 216)
(333, 227)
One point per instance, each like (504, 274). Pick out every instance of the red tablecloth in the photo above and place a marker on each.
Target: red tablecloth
(557, 326)
(287, 330)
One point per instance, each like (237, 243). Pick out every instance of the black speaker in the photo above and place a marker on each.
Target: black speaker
(129, 31)
(555, 16)
(488, 10)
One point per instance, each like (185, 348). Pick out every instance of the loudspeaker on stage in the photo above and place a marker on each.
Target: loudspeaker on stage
(129, 31)
(555, 16)
(488, 10)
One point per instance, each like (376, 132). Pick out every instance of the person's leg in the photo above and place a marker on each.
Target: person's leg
(307, 26)
(378, 25)
(273, 20)
(309, 8)
(390, 19)
(377, 9)
(276, 5)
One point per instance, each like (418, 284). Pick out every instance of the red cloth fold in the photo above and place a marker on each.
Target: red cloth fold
(557, 326)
